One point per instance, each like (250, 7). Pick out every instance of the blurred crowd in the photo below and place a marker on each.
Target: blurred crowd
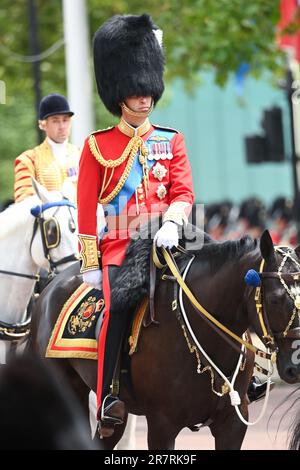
(228, 221)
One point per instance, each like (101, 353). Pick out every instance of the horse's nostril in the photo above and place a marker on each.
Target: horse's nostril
(291, 373)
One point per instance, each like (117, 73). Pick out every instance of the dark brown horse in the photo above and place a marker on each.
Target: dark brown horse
(163, 383)
(294, 443)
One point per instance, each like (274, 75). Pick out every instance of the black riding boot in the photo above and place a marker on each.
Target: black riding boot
(112, 409)
(257, 389)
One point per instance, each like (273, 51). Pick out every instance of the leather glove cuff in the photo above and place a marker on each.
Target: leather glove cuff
(88, 253)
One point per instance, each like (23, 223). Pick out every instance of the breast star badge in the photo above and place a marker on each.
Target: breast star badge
(161, 191)
(159, 171)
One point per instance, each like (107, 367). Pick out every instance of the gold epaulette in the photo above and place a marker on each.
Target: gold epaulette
(164, 128)
(102, 130)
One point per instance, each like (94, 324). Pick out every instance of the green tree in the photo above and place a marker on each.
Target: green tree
(199, 35)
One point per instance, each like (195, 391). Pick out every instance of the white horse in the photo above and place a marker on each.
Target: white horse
(37, 233)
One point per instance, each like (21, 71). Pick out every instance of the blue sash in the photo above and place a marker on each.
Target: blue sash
(116, 206)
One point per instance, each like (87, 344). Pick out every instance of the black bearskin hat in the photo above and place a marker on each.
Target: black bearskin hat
(282, 208)
(128, 60)
(254, 211)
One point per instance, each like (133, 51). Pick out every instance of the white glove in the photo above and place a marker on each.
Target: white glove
(93, 278)
(167, 235)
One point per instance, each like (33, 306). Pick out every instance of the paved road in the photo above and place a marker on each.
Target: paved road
(262, 436)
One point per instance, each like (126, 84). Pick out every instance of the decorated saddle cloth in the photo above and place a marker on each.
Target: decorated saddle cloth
(77, 326)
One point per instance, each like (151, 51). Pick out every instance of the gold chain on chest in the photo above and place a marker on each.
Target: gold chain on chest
(134, 145)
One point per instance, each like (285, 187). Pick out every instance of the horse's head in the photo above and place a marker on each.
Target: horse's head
(276, 314)
(54, 241)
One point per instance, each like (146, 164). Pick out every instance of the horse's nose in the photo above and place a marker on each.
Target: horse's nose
(292, 374)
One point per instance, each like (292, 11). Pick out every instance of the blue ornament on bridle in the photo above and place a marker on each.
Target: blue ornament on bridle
(252, 278)
(37, 210)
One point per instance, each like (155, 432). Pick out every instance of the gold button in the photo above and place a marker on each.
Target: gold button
(142, 203)
(141, 197)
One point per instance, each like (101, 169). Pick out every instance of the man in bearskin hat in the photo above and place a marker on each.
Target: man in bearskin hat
(132, 169)
(53, 163)
(283, 231)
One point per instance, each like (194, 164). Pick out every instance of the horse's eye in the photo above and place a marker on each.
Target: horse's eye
(72, 226)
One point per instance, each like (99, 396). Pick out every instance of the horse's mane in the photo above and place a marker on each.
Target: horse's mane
(133, 280)
(217, 253)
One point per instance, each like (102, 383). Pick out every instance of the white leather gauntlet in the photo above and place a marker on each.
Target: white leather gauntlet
(167, 235)
(93, 278)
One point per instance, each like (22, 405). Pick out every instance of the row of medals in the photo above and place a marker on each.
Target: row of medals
(161, 151)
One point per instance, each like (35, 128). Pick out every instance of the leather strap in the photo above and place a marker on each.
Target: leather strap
(151, 295)
(204, 313)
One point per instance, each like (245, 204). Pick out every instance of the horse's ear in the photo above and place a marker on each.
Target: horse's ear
(266, 246)
(41, 192)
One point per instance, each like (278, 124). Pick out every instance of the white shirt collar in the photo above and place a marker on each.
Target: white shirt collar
(59, 150)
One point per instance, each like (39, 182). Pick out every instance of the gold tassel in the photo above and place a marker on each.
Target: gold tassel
(143, 161)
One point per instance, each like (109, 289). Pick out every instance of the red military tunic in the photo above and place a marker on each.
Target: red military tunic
(170, 181)
(128, 186)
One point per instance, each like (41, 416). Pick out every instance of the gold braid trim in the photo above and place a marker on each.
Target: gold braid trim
(137, 113)
(135, 144)
(110, 163)
(176, 213)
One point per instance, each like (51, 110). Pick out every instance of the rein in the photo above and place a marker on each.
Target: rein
(28, 276)
(175, 271)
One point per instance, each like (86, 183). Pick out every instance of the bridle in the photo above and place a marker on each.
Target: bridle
(45, 230)
(48, 242)
(268, 335)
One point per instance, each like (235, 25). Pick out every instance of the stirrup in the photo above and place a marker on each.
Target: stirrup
(105, 430)
(111, 414)
(114, 412)
(257, 389)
